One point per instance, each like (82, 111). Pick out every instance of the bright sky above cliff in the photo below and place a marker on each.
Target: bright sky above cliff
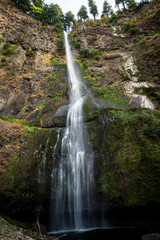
(74, 5)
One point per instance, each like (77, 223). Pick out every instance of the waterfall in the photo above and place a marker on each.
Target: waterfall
(72, 209)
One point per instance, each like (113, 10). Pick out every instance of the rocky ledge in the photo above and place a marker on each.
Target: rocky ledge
(8, 232)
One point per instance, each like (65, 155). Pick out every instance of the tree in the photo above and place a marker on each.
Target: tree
(38, 3)
(69, 19)
(24, 4)
(53, 13)
(93, 8)
(117, 2)
(36, 12)
(131, 4)
(106, 9)
(82, 14)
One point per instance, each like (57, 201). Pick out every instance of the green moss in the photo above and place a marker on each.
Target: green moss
(128, 163)
(56, 61)
(8, 49)
(114, 94)
(30, 53)
(17, 223)
(87, 107)
(30, 128)
(60, 44)
(113, 19)
(130, 28)
(3, 61)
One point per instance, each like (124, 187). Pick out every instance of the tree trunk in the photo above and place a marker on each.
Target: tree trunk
(123, 5)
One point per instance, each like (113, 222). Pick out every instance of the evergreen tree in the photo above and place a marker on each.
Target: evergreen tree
(52, 14)
(82, 14)
(93, 8)
(117, 2)
(69, 19)
(106, 9)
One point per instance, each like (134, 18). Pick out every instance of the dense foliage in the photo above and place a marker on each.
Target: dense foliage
(52, 14)
(82, 14)
(107, 9)
(93, 8)
(48, 14)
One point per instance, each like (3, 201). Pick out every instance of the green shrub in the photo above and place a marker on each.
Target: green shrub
(8, 49)
(3, 61)
(59, 27)
(113, 18)
(130, 28)
(133, 30)
(86, 53)
(77, 45)
(60, 44)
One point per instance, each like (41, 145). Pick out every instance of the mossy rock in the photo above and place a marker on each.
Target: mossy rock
(127, 161)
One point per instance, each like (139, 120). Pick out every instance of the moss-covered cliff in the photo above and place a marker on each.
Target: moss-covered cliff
(127, 153)
(119, 61)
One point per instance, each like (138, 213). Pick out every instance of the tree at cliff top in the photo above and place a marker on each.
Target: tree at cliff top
(38, 3)
(24, 4)
(36, 12)
(82, 14)
(93, 8)
(130, 4)
(107, 9)
(117, 2)
(69, 20)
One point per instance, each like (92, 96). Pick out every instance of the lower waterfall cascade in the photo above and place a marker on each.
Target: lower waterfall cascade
(72, 209)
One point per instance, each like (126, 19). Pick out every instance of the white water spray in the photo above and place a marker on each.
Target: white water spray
(74, 192)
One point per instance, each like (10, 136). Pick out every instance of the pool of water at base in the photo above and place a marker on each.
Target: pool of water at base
(124, 233)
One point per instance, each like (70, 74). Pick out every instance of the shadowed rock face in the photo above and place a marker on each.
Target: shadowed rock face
(123, 77)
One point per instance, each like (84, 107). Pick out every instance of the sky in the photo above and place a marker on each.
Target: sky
(74, 5)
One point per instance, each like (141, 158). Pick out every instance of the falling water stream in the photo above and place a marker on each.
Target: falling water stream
(75, 184)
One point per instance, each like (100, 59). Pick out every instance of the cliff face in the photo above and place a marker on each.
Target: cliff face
(120, 64)
(32, 71)
(120, 58)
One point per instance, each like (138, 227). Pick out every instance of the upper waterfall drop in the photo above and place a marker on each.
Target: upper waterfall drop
(74, 174)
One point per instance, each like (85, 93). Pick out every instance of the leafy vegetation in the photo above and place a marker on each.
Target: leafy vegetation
(93, 8)
(86, 53)
(8, 49)
(130, 28)
(82, 14)
(107, 9)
